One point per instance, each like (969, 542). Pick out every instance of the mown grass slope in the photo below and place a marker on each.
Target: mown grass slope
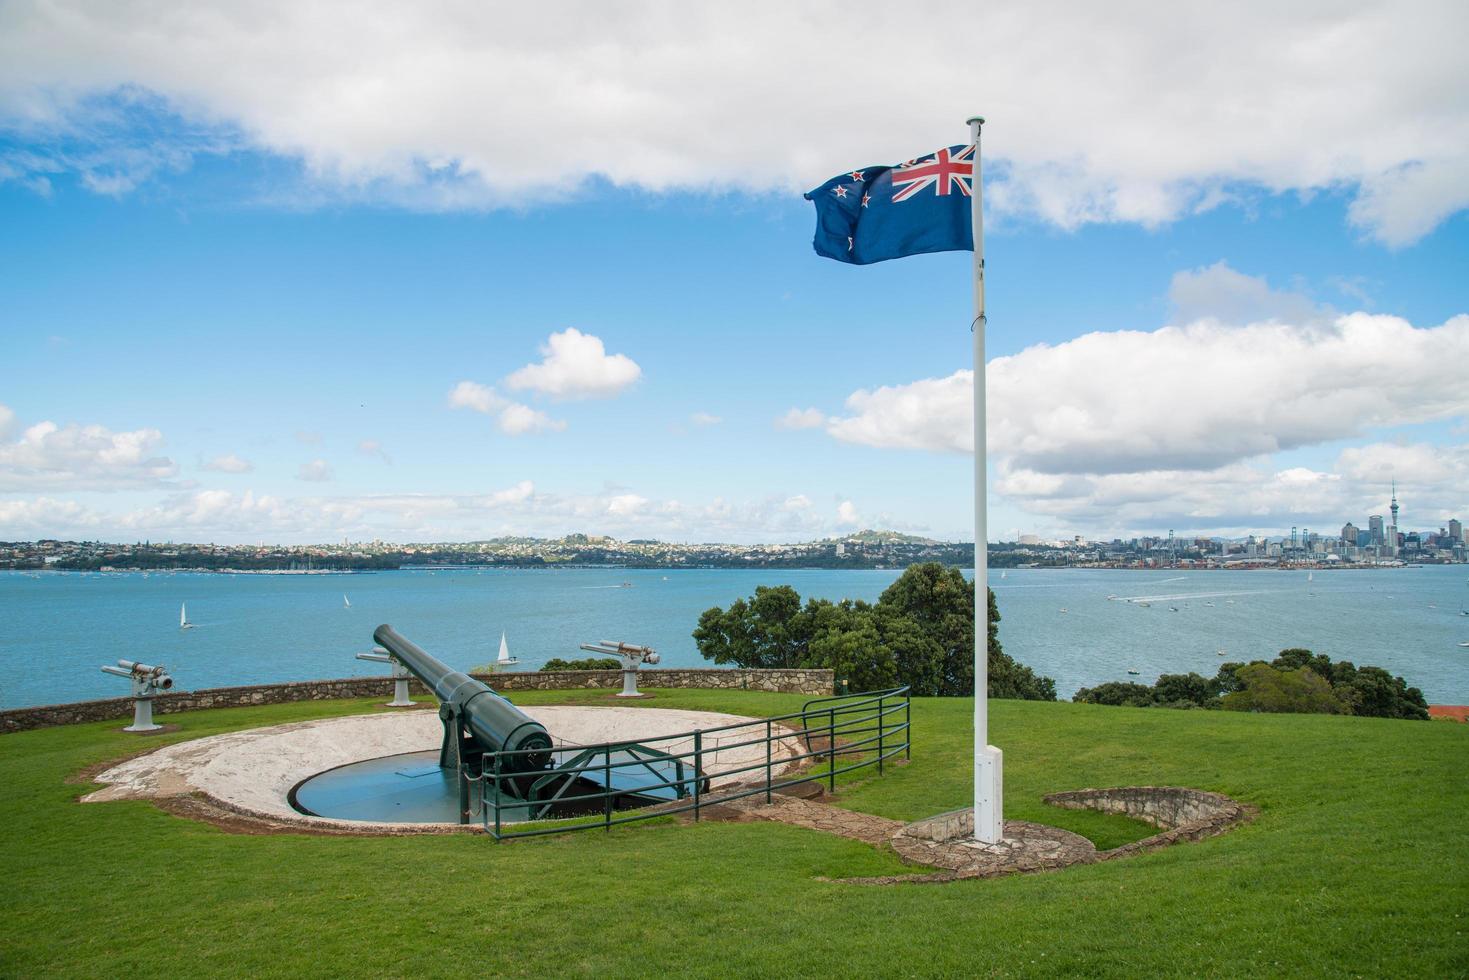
(1356, 865)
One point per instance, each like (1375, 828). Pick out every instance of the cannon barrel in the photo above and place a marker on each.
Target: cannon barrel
(494, 723)
(142, 673)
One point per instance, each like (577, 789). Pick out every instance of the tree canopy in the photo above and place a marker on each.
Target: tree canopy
(920, 632)
(1296, 681)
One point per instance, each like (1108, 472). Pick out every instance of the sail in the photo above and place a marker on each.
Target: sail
(346, 603)
(183, 616)
(505, 657)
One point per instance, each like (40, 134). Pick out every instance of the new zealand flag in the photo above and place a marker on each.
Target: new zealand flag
(885, 213)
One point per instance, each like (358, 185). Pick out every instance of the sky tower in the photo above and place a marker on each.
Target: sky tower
(1394, 506)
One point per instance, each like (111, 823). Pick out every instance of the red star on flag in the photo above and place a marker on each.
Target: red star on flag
(865, 199)
(857, 174)
(839, 191)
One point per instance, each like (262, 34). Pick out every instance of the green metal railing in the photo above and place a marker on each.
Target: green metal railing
(690, 771)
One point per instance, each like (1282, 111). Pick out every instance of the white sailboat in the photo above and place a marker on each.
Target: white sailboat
(184, 623)
(505, 660)
(1310, 576)
(346, 603)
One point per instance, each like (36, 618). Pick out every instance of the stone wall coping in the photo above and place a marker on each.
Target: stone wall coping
(811, 681)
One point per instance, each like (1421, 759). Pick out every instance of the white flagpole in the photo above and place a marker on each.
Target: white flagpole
(989, 822)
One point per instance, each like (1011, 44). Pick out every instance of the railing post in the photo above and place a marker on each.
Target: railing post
(497, 796)
(768, 754)
(831, 748)
(463, 794)
(908, 725)
(698, 772)
(881, 720)
(607, 782)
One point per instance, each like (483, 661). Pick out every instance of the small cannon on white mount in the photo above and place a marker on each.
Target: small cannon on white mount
(400, 676)
(147, 682)
(632, 658)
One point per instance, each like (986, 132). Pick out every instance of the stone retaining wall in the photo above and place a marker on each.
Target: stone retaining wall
(1183, 814)
(817, 683)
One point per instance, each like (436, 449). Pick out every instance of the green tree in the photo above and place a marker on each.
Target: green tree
(1302, 691)
(766, 631)
(920, 633)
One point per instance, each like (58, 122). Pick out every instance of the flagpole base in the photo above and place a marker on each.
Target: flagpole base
(989, 787)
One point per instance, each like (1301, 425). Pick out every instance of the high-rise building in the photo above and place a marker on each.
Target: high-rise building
(1349, 534)
(1295, 539)
(1374, 526)
(1456, 531)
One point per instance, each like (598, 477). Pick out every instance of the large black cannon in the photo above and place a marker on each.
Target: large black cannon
(476, 719)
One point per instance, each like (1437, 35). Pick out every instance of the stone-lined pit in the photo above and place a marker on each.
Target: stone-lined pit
(947, 842)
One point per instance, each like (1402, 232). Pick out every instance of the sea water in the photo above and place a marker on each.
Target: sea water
(57, 628)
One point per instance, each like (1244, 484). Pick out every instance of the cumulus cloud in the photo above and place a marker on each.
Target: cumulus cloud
(1182, 397)
(576, 365)
(704, 418)
(42, 516)
(801, 418)
(475, 397)
(934, 413)
(316, 471)
(1218, 292)
(7, 421)
(1136, 117)
(519, 509)
(81, 457)
(228, 463)
(517, 419)
(512, 418)
(1250, 497)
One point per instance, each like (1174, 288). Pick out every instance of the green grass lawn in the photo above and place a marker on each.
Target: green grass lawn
(1356, 865)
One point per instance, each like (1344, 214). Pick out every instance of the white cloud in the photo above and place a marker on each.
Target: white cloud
(476, 397)
(316, 471)
(42, 516)
(801, 418)
(1191, 397)
(517, 420)
(934, 413)
(228, 463)
(78, 457)
(7, 421)
(219, 515)
(847, 515)
(514, 419)
(371, 447)
(576, 365)
(704, 418)
(1135, 118)
(1255, 497)
(1218, 292)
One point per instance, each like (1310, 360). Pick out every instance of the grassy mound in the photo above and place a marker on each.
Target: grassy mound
(1356, 864)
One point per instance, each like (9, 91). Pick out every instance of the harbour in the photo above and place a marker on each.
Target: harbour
(266, 629)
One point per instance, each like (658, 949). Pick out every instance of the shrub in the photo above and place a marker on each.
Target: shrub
(1299, 691)
(590, 663)
(1332, 687)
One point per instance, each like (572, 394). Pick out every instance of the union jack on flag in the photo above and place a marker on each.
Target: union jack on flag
(944, 170)
(858, 220)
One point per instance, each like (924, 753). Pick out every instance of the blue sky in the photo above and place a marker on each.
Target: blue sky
(304, 316)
